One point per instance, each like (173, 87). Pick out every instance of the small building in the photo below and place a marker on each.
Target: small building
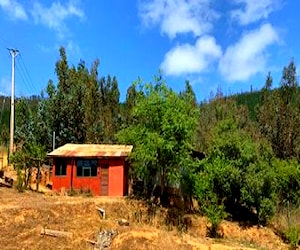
(100, 168)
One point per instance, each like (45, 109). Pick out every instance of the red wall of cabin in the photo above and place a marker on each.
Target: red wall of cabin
(117, 184)
(116, 178)
(62, 181)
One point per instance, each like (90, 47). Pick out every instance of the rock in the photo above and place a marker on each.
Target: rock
(104, 239)
(123, 222)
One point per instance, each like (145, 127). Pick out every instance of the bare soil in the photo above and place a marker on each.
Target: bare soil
(23, 215)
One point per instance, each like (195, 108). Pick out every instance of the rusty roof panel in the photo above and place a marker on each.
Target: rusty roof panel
(91, 150)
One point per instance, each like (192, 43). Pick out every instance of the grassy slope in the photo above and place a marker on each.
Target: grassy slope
(22, 215)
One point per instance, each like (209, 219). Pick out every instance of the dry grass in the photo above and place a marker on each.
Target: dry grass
(3, 157)
(287, 220)
(22, 215)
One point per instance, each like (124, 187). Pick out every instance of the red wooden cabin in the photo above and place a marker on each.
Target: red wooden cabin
(100, 168)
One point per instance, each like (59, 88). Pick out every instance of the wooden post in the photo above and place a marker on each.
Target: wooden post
(55, 233)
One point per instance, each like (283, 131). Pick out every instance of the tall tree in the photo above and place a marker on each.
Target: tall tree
(279, 114)
(110, 108)
(161, 133)
(93, 125)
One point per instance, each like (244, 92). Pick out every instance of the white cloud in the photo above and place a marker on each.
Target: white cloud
(55, 16)
(191, 59)
(254, 10)
(178, 16)
(13, 9)
(247, 57)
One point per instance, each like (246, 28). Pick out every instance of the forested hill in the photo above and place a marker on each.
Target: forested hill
(250, 100)
(5, 102)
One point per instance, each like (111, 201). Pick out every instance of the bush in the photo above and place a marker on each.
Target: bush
(292, 235)
(237, 175)
(20, 181)
(266, 211)
(288, 175)
(215, 214)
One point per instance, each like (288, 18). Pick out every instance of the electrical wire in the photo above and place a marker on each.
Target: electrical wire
(24, 80)
(27, 74)
(23, 72)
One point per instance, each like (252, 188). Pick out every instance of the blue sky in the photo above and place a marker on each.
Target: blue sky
(227, 44)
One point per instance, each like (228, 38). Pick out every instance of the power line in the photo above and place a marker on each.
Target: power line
(27, 73)
(24, 78)
(21, 74)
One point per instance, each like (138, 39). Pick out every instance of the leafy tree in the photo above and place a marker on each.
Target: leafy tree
(130, 102)
(161, 132)
(91, 107)
(24, 160)
(4, 119)
(24, 123)
(217, 109)
(288, 186)
(109, 101)
(279, 117)
(82, 107)
(236, 175)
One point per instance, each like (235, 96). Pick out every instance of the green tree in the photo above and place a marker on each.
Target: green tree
(110, 108)
(236, 175)
(94, 126)
(217, 109)
(30, 156)
(278, 114)
(161, 131)
(82, 107)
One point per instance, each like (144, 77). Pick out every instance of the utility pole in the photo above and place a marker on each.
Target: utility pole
(14, 53)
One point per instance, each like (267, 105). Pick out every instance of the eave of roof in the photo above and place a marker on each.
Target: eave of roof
(92, 150)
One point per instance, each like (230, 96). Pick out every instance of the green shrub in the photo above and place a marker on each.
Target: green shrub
(215, 214)
(20, 181)
(292, 235)
(266, 211)
(288, 175)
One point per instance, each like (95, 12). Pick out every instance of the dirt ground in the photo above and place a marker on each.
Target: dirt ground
(23, 215)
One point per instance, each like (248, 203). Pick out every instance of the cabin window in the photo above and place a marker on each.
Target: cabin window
(86, 167)
(60, 166)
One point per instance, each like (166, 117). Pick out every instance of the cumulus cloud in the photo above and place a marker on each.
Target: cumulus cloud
(191, 59)
(254, 10)
(13, 9)
(176, 17)
(55, 16)
(248, 56)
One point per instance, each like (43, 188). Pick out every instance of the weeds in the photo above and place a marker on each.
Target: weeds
(215, 214)
(292, 235)
(287, 225)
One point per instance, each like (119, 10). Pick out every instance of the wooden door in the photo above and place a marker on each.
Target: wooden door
(104, 180)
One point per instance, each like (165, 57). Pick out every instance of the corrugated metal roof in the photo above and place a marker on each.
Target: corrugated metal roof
(91, 150)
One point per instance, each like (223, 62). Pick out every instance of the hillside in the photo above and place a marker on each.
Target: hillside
(250, 100)
(23, 215)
